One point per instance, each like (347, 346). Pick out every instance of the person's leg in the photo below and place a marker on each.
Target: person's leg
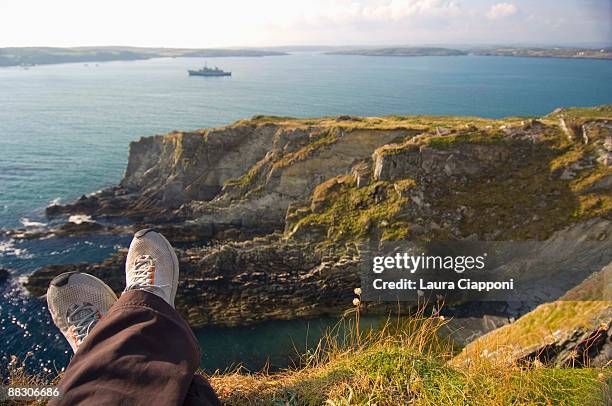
(140, 351)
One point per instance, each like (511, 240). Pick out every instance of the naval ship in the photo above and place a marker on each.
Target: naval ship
(206, 71)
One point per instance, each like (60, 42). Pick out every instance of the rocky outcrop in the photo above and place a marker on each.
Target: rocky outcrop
(325, 184)
(572, 331)
(412, 160)
(298, 162)
(582, 347)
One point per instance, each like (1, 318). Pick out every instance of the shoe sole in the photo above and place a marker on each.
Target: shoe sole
(64, 278)
(175, 269)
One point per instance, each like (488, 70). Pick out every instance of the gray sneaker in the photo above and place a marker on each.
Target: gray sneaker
(152, 265)
(76, 302)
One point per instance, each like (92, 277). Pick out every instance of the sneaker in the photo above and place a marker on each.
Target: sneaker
(76, 302)
(151, 265)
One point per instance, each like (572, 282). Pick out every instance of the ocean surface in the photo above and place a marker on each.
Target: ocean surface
(65, 130)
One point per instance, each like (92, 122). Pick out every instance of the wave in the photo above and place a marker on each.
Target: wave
(55, 201)
(8, 249)
(32, 224)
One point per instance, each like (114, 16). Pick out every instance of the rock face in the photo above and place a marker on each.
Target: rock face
(164, 172)
(242, 283)
(298, 162)
(465, 160)
(287, 199)
(181, 167)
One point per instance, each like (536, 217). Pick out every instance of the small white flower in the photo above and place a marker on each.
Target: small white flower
(358, 291)
(356, 302)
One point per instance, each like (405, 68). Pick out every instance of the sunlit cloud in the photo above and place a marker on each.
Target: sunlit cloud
(502, 10)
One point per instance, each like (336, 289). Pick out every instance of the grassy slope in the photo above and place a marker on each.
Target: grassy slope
(577, 309)
(409, 366)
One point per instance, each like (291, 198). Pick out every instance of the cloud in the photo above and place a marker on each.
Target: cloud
(502, 10)
(325, 12)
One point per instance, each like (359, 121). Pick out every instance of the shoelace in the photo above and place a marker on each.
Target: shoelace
(141, 274)
(82, 318)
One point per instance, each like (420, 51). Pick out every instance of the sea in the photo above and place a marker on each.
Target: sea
(65, 130)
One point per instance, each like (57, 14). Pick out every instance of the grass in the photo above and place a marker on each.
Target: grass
(602, 112)
(406, 362)
(475, 137)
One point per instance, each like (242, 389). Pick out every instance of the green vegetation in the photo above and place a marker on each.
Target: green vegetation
(541, 187)
(350, 213)
(582, 308)
(246, 179)
(604, 111)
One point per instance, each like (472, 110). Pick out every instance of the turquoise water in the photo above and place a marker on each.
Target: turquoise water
(65, 129)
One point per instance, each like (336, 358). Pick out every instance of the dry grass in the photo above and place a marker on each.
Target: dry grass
(406, 362)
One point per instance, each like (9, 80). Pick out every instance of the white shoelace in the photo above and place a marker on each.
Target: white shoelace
(140, 274)
(82, 318)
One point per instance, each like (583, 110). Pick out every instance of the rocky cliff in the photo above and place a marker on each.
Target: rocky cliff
(286, 200)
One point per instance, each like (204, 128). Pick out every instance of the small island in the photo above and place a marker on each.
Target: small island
(44, 55)
(400, 51)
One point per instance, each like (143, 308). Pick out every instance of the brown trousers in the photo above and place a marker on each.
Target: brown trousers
(141, 353)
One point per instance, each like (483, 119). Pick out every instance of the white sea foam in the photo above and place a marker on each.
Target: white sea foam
(27, 223)
(55, 201)
(8, 249)
(80, 218)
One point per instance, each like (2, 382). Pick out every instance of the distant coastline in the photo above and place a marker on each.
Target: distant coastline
(400, 51)
(30, 56)
(45, 56)
(573, 53)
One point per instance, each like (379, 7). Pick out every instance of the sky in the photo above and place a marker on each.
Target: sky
(261, 23)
